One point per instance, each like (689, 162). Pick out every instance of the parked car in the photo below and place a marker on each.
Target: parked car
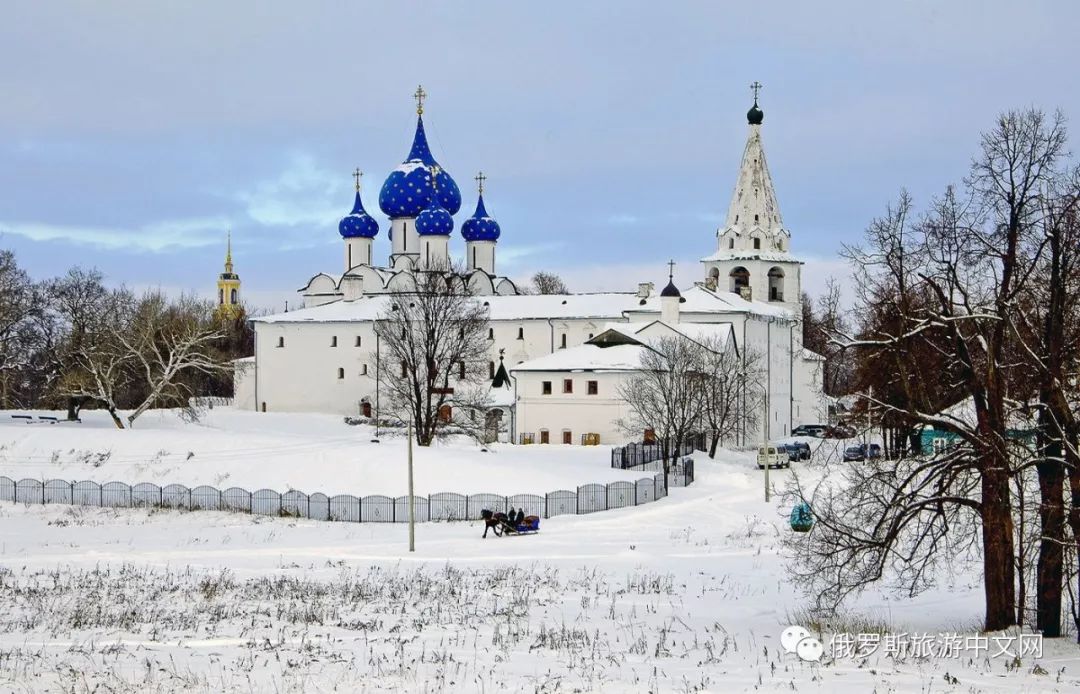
(809, 430)
(774, 456)
(854, 453)
(803, 449)
(839, 432)
(792, 451)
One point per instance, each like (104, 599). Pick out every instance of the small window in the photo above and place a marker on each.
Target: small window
(521, 333)
(491, 333)
(221, 296)
(358, 341)
(756, 218)
(590, 336)
(545, 388)
(594, 387)
(731, 243)
(363, 370)
(232, 296)
(544, 436)
(562, 341)
(281, 342)
(567, 437)
(491, 369)
(333, 341)
(341, 373)
(568, 385)
(757, 244)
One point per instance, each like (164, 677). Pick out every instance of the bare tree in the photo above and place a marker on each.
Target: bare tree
(21, 304)
(665, 394)
(548, 283)
(166, 340)
(98, 367)
(728, 403)
(433, 354)
(951, 283)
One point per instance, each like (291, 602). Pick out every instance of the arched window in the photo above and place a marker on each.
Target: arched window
(221, 296)
(776, 284)
(341, 373)
(740, 277)
(731, 242)
(232, 296)
(281, 342)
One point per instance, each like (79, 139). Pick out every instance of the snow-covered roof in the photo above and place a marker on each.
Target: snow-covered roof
(963, 414)
(509, 307)
(587, 357)
(767, 256)
(698, 299)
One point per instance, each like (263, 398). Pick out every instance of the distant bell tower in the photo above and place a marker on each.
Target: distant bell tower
(228, 288)
(753, 252)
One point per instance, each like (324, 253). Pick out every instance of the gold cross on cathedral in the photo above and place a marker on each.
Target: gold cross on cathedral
(480, 178)
(755, 87)
(420, 95)
(357, 175)
(671, 269)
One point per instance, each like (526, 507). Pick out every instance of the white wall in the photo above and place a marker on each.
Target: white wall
(577, 412)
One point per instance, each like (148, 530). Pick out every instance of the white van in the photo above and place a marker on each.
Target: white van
(774, 456)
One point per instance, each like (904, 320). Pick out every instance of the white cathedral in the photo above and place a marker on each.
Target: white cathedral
(566, 354)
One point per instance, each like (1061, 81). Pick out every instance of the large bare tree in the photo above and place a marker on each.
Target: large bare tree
(728, 402)
(952, 283)
(433, 354)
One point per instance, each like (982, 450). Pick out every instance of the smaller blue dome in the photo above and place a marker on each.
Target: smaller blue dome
(358, 223)
(481, 226)
(435, 220)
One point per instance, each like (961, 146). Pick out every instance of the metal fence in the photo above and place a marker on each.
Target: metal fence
(635, 454)
(443, 506)
(681, 471)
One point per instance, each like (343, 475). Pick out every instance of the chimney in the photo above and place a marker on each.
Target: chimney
(644, 290)
(745, 292)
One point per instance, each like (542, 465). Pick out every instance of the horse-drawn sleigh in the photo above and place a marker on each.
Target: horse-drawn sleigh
(502, 524)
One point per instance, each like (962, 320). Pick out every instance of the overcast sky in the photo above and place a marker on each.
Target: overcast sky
(133, 135)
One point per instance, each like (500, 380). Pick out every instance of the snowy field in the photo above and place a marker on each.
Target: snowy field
(309, 452)
(685, 594)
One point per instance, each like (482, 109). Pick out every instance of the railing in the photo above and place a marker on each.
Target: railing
(681, 471)
(635, 454)
(377, 508)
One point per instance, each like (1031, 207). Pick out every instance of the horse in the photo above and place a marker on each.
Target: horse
(495, 521)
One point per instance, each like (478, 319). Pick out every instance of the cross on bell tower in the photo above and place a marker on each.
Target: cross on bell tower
(480, 178)
(755, 87)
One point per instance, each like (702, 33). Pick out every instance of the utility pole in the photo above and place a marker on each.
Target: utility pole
(412, 516)
(765, 433)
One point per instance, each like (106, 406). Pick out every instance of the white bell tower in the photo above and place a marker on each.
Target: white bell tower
(753, 255)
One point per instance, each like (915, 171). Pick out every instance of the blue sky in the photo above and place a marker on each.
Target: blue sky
(133, 135)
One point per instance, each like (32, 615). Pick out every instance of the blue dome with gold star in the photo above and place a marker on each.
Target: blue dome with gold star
(434, 220)
(358, 223)
(408, 187)
(481, 226)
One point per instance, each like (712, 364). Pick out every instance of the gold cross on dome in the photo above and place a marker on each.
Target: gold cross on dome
(671, 269)
(357, 175)
(480, 178)
(420, 95)
(755, 87)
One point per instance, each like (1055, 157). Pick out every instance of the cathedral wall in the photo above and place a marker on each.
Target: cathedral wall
(577, 413)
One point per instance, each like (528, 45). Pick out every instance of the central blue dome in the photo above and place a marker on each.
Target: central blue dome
(358, 223)
(481, 226)
(408, 187)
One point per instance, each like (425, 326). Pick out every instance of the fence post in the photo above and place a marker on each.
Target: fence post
(131, 499)
(467, 516)
(100, 497)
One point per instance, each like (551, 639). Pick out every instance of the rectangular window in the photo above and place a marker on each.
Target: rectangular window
(521, 333)
(341, 373)
(562, 341)
(567, 437)
(593, 388)
(545, 388)
(281, 342)
(568, 385)
(357, 340)
(544, 437)
(491, 333)
(363, 370)
(333, 341)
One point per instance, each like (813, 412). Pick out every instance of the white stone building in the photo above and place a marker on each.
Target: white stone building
(322, 357)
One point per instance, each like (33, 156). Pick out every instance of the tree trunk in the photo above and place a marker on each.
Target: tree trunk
(999, 568)
(72, 409)
(713, 445)
(1050, 568)
(116, 418)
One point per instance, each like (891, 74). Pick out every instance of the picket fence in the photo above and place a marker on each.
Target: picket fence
(377, 508)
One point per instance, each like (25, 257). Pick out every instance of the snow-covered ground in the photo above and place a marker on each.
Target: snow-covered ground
(309, 452)
(685, 594)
